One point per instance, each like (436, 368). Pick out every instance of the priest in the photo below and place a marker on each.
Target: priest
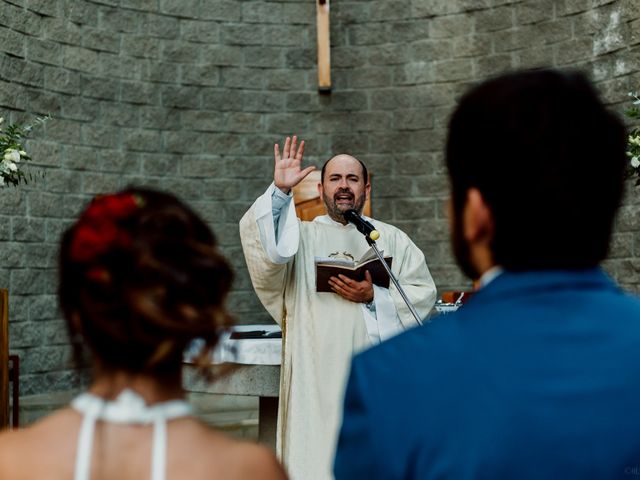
(322, 331)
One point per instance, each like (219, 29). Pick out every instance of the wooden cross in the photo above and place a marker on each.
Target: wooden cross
(324, 50)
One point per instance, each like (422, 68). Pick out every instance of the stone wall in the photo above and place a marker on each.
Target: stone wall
(190, 95)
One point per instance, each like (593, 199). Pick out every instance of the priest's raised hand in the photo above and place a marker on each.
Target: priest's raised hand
(287, 170)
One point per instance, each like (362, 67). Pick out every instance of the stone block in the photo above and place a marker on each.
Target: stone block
(61, 80)
(344, 100)
(534, 12)
(300, 57)
(412, 119)
(140, 93)
(348, 56)
(386, 54)
(222, 189)
(118, 161)
(242, 34)
(45, 205)
(222, 143)
(265, 57)
(476, 45)
(366, 77)
(202, 120)
(120, 20)
(450, 26)
(198, 31)
(80, 58)
(180, 97)
(13, 255)
(101, 40)
(263, 12)
(371, 34)
(222, 100)
(493, 65)
(454, 70)
(120, 67)
(207, 75)
(244, 78)
(183, 141)
(287, 35)
(12, 42)
(162, 26)
(140, 46)
(160, 164)
(370, 121)
(78, 157)
(220, 11)
(349, 144)
(570, 7)
(413, 209)
(223, 55)
(43, 103)
(177, 51)
(279, 123)
(119, 114)
(200, 166)
(430, 50)
(303, 102)
(64, 131)
(32, 282)
(142, 140)
(60, 181)
(45, 359)
(44, 7)
(43, 51)
(17, 70)
(105, 136)
(413, 73)
(405, 32)
(100, 183)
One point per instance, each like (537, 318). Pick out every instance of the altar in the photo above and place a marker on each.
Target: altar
(254, 363)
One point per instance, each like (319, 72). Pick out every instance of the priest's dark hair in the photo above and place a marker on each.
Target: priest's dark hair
(549, 160)
(140, 276)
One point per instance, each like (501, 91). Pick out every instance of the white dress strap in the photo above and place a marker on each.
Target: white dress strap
(127, 408)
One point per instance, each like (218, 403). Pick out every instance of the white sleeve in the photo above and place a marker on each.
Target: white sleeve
(381, 320)
(282, 249)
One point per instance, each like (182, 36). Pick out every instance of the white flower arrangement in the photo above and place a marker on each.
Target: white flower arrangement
(633, 140)
(12, 152)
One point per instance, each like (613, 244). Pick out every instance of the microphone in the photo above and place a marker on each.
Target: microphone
(361, 224)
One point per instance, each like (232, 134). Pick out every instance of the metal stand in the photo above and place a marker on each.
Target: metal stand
(394, 280)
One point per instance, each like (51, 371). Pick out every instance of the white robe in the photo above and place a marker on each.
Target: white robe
(321, 331)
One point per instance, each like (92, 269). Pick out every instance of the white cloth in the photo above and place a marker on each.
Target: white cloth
(127, 408)
(321, 331)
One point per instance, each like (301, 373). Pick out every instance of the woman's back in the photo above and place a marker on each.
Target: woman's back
(48, 450)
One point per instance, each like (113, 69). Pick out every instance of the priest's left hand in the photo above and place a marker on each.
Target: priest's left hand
(359, 292)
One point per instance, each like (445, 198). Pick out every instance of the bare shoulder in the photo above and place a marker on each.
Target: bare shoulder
(240, 459)
(258, 462)
(48, 439)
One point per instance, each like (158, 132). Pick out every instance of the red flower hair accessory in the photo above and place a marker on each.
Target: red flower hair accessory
(97, 230)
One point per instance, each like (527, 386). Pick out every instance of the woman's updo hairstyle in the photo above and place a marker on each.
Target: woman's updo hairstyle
(140, 277)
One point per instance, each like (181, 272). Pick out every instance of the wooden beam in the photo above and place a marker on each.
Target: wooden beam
(4, 358)
(324, 50)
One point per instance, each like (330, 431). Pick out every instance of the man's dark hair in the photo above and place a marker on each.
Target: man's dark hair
(549, 161)
(365, 172)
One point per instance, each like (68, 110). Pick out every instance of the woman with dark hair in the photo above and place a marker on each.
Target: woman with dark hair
(140, 277)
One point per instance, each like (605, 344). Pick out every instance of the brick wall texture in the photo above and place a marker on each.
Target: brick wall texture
(190, 95)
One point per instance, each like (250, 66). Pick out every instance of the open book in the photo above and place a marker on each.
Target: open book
(331, 266)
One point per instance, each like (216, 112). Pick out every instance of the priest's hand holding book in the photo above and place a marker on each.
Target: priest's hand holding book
(352, 290)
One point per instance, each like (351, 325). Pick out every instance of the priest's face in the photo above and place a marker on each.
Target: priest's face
(343, 187)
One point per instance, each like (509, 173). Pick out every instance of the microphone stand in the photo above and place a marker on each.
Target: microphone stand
(393, 278)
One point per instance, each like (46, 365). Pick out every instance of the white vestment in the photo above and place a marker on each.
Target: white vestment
(322, 331)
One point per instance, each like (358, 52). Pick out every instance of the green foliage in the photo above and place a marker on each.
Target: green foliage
(12, 153)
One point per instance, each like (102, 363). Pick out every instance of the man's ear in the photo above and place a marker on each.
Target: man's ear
(367, 190)
(320, 189)
(478, 219)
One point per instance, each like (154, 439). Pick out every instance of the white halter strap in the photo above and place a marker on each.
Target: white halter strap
(128, 407)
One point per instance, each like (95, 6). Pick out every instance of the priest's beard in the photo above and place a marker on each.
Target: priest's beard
(461, 249)
(335, 211)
